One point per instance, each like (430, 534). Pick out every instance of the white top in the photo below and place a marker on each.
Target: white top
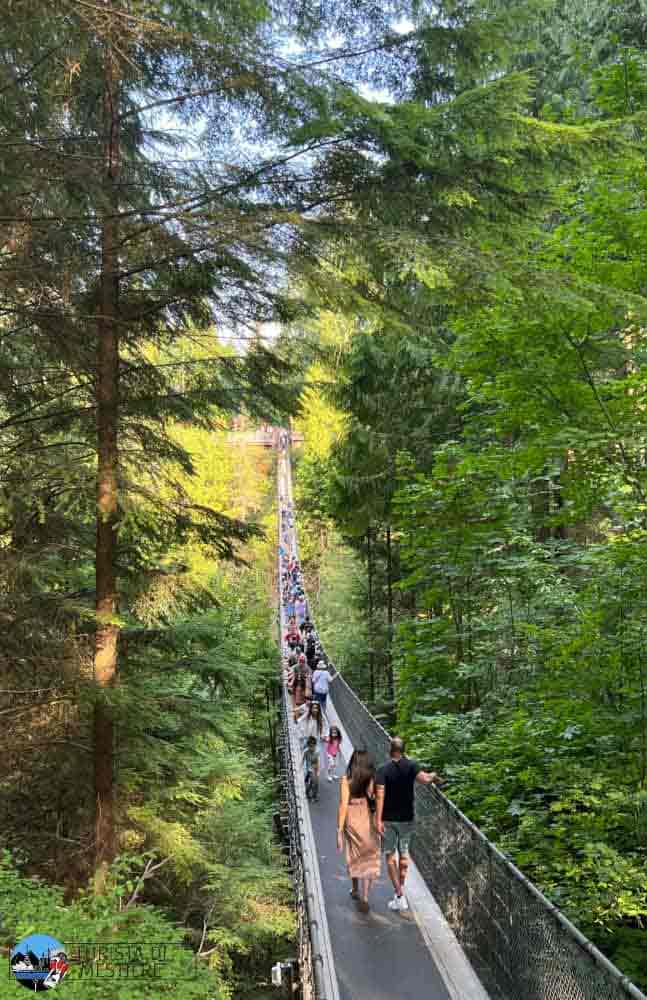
(308, 727)
(321, 681)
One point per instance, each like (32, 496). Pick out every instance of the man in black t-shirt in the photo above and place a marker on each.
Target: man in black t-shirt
(394, 815)
(311, 650)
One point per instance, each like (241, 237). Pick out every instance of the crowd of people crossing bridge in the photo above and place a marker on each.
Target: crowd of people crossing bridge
(376, 807)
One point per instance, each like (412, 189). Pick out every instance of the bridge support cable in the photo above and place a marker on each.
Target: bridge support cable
(316, 973)
(521, 946)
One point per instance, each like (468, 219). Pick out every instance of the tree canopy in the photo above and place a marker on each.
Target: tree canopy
(418, 230)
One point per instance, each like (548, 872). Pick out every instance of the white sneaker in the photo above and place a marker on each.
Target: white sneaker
(404, 904)
(330, 777)
(399, 903)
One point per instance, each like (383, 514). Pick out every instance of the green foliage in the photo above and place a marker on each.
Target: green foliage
(338, 596)
(30, 906)
(195, 784)
(466, 253)
(490, 383)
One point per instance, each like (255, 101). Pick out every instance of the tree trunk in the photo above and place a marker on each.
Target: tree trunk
(107, 410)
(540, 506)
(371, 650)
(560, 529)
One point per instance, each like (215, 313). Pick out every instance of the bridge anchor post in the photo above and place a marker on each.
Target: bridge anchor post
(286, 975)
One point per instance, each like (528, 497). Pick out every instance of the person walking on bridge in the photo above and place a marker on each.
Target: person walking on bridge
(355, 826)
(300, 609)
(298, 685)
(394, 815)
(321, 683)
(310, 723)
(311, 649)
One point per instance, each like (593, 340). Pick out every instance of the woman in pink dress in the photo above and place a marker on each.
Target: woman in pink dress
(356, 826)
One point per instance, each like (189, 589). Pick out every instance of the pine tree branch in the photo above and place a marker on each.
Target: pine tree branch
(18, 419)
(28, 72)
(148, 872)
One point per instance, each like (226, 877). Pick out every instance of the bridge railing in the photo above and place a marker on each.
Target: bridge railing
(317, 979)
(521, 946)
(316, 974)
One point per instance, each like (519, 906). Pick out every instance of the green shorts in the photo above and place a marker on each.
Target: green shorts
(397, 836)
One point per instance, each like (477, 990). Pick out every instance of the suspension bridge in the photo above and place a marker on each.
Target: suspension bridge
(477, 927)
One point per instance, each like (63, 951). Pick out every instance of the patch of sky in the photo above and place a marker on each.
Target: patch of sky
(203, 147)
(379, 94)
(403, 26)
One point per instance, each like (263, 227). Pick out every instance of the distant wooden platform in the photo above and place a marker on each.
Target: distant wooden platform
(263, 438)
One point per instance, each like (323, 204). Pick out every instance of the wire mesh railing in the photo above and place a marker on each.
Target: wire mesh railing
(290, 828)
(316, 975)
(520, 945)
(316, 978)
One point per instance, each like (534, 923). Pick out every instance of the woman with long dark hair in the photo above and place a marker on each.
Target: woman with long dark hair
(299, 687)
(356, 827)
(310, 723)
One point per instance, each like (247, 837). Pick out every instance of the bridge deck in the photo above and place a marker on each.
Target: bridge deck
(530, 951)
(380, 955)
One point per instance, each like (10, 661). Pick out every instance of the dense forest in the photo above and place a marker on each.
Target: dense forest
(474, 473)
(418, 230)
